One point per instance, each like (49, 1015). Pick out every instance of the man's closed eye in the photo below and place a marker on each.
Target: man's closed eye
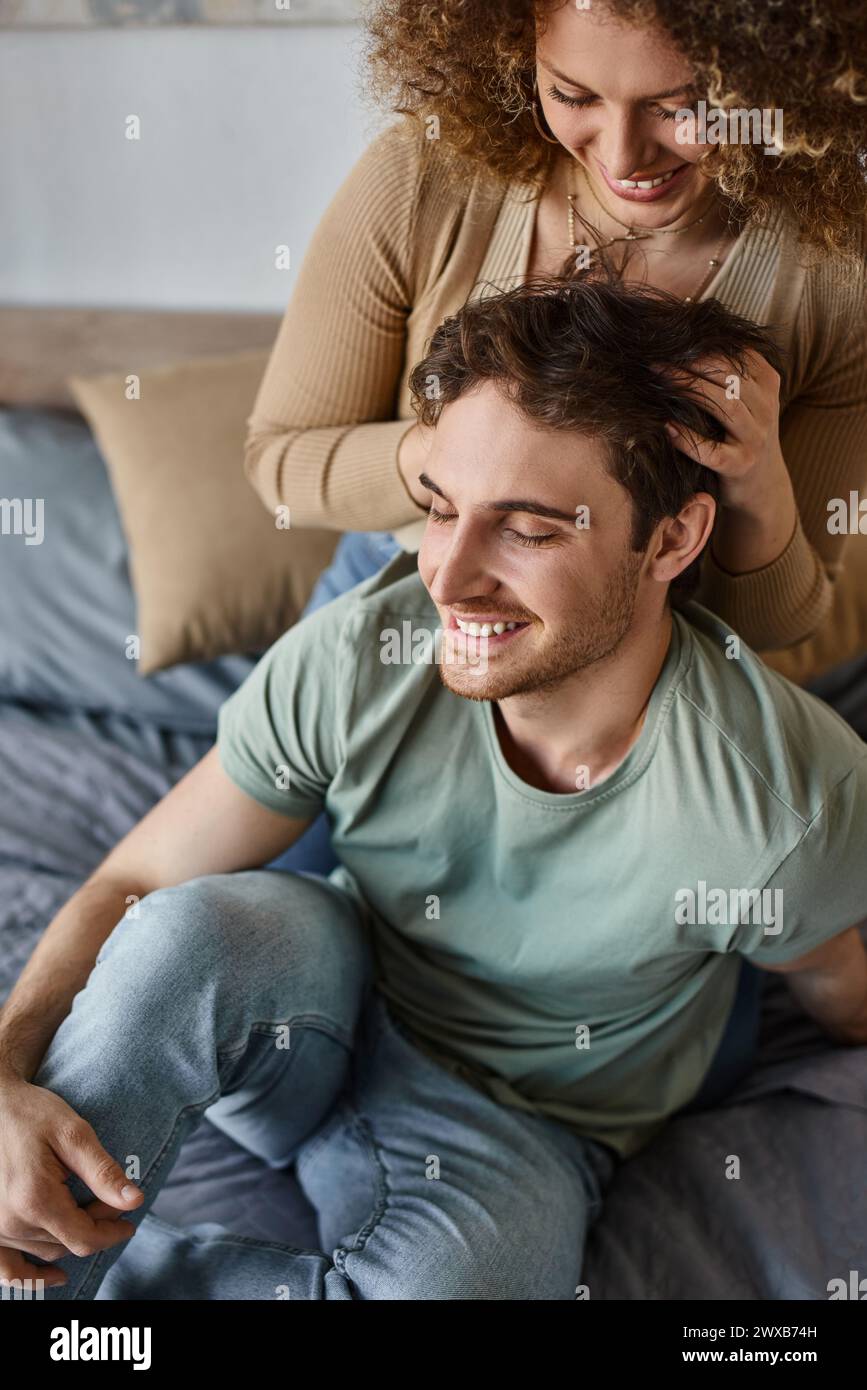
(521, 537)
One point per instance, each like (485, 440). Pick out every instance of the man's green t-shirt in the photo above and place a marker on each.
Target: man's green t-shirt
(573, 954)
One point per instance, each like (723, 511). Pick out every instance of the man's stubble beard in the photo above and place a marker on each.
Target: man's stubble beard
(595, 637)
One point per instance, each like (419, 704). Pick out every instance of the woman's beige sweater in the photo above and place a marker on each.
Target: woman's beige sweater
(404, 243)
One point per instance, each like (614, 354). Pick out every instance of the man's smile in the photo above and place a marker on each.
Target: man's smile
(494, 628)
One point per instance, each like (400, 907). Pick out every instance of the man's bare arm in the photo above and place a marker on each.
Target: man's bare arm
(830, 983)
(204, 825)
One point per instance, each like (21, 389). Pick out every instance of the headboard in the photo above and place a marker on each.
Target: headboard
(41, 345)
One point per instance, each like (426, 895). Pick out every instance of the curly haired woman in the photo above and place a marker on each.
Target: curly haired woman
(530, 131)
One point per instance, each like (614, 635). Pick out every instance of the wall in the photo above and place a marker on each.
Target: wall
(245, 135)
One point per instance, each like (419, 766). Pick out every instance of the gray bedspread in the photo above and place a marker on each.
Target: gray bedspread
(675, 1226)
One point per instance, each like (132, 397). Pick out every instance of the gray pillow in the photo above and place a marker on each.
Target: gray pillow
(67, 607)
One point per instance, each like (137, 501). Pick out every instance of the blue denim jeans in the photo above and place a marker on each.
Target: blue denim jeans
(249, 997)
(359, 555)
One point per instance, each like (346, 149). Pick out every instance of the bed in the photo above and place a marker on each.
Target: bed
(87, 746)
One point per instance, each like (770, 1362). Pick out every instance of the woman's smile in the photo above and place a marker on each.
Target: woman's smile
(650, 189)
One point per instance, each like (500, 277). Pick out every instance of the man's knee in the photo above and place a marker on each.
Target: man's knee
(186, 922)
(224, 925)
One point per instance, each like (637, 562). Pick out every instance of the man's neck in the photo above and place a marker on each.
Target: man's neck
(574, 737)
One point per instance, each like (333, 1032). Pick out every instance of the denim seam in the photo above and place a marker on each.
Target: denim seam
(313, 1147)
(265, 1026)
(232, 1238)
(364, 1130)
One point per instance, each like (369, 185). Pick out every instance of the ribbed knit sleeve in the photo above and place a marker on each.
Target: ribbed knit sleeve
(823, 435)
(774, 607)
(322, 438)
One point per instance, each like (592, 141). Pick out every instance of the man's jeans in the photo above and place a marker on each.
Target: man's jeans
(249, 996)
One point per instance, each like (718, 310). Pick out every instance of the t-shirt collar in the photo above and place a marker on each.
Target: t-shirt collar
(633, 765)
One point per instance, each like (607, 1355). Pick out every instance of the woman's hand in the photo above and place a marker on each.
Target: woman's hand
(411, 459)
(758, 511)
(748, 407)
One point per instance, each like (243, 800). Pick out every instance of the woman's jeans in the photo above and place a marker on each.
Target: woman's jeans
(249, 997)
(359, 554)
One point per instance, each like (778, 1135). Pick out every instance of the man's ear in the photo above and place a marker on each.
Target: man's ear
(678, 540)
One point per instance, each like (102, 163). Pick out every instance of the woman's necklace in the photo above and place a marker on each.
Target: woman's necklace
(633, 235)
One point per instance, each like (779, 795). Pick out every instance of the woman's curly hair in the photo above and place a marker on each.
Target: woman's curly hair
(471, 64)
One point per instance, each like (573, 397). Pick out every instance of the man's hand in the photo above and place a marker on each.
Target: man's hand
(831, 985)
(42, 1141)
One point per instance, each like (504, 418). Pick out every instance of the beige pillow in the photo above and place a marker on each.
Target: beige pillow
(211, 570)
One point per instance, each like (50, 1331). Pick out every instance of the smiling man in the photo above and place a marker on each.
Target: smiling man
(499, 993)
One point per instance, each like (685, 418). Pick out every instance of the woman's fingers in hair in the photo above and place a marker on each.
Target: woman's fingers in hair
(724, 386)
(720, 457)
(747, 405)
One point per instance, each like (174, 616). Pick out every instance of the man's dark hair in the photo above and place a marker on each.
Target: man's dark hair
(608, 359)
